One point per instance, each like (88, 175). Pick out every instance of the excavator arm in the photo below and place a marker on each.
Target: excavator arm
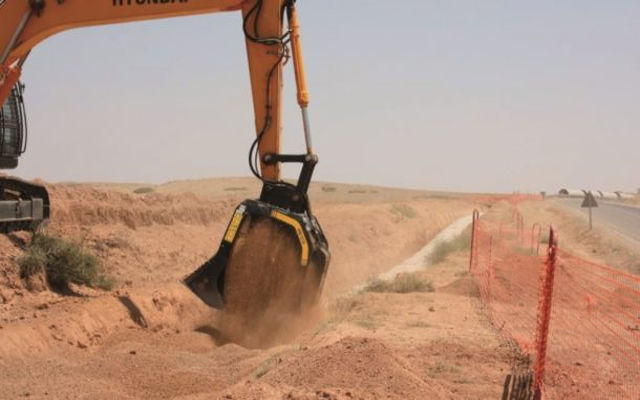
(275, 237)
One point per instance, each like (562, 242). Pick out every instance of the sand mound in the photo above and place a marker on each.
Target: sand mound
(356, 367)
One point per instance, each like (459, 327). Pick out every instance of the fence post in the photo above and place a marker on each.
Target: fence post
(490, 252)
(544, 312)
(474, 219)
(533, 236)
(490, 274)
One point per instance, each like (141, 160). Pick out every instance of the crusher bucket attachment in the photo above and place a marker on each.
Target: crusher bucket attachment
(273, 252)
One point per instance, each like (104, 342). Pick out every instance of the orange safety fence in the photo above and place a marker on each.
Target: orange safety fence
(591, 311)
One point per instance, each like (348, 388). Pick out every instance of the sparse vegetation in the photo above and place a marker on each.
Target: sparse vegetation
(342, 306)
(441, 196)
(273, 360)
(112, 242)
(444, 248)
(63, 262)
(339, 309)
(367, 322)
(418, 324)
(403, 283)
(525, 251)
(235, 189)
(404, 210)
(143, 190)
(328, 189)
(264, 367)
(440, 368)
(32, 262)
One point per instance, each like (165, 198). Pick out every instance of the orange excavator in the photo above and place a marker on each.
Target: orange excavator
(273, 252)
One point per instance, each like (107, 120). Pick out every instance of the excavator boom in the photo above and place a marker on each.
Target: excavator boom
(276, 237)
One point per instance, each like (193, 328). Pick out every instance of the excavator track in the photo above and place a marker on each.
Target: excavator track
(23, 205)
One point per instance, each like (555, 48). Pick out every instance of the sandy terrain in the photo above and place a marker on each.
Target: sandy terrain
(151, 338)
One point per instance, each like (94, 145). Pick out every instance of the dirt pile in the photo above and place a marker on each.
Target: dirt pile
(352, 368)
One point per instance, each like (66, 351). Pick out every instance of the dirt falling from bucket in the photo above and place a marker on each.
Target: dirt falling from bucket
(269, 297)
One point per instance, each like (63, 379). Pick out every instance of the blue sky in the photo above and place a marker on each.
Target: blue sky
(451, 95)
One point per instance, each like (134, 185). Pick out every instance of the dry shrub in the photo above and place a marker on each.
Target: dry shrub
(143, 190)
(63, 262)
(403, 283)
(404, 210)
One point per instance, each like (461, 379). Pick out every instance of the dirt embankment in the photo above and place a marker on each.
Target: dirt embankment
(87, 206)
(151, 338)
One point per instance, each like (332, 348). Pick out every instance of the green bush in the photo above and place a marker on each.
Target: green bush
(403, 283)
(63, 262)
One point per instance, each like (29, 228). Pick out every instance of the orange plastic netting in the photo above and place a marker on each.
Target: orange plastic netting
(593, 344)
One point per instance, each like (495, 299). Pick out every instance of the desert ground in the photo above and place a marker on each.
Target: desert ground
(149, 337)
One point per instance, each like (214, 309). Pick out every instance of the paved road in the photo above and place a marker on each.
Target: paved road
(624, 219)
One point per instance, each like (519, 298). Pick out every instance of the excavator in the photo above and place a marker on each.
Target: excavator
(273, 252)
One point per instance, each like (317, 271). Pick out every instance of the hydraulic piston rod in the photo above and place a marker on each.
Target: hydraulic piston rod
(301, 77)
